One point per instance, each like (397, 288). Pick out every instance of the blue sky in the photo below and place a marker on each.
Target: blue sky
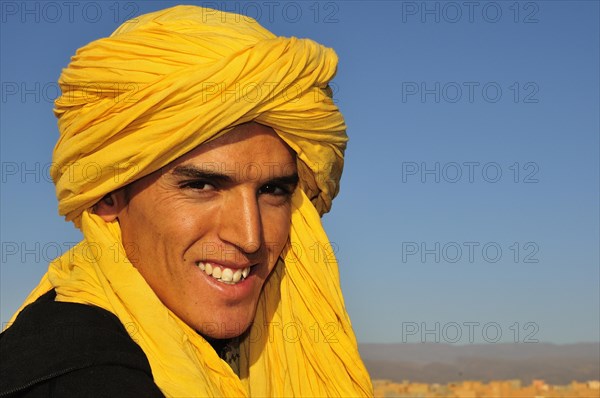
(469, 207)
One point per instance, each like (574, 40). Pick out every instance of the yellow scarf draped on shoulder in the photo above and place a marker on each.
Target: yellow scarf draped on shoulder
(158, 87)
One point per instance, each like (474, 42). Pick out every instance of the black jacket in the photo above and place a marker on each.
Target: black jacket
(57, 349)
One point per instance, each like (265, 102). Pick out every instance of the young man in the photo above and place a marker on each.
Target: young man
(219, 148)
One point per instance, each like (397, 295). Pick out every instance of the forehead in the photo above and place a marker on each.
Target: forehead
(247, 145)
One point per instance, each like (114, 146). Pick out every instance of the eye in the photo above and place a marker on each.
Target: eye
(275, 189)
(198, 185)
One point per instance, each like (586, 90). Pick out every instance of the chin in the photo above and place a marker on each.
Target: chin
(232, 323)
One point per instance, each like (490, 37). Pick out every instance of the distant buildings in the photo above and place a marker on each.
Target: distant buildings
(493, 389)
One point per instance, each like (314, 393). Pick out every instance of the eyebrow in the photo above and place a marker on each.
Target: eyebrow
(291, 179)
(197, 173)
(194, 172)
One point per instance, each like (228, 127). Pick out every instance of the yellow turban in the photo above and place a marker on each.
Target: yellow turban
(158, 87)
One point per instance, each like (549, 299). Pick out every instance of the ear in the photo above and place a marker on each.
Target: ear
(109, 207)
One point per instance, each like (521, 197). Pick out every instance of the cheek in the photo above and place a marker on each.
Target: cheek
(276, 229)
(174, 218)
(151, 231)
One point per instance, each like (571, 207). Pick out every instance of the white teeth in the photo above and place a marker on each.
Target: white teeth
(225, 275)
(237, 275)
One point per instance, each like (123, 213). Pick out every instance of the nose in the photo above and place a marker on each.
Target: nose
(241, 224)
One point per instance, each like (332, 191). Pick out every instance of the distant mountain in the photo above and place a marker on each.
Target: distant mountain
(445, 363)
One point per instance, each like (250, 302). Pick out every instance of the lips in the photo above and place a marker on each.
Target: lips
(223, 274)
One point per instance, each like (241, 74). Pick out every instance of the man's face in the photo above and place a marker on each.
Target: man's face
(206, 230)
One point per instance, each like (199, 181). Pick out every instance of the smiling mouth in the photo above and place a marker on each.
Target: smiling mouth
(223, 274)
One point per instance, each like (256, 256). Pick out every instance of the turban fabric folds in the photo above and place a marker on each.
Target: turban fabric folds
(158, 87)
(174, 79)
